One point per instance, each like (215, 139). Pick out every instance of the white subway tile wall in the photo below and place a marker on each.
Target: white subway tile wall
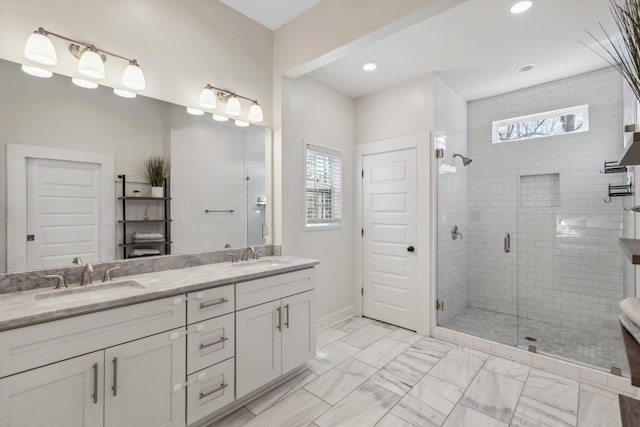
(451, 136)
(565, 266)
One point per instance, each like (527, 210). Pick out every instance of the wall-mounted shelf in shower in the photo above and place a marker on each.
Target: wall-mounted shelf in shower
(631, 249)
(631, 155)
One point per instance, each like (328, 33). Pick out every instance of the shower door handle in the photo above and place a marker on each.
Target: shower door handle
(507, 243)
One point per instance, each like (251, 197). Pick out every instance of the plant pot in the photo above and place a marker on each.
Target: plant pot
(157, 192)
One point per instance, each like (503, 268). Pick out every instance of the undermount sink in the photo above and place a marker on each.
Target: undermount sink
(68, 295)
(263, 262)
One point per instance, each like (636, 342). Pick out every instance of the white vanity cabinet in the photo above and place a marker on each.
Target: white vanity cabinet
(131, 372)
(275, 328)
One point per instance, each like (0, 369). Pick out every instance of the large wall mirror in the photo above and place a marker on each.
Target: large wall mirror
(219, 182)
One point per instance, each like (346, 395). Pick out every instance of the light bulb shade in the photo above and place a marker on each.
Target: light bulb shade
(36, 71)
(233, 107)
(255, 113)
(91, 65)
(194, 111)
(207, 99)
(133, 78)
(241, 124)
(39, 48)
(219, 118)
(84, 83)
(124, 93)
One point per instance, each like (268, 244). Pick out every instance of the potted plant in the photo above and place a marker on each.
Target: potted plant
(156, 169)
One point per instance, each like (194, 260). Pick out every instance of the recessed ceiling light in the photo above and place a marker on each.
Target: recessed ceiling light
(369, 66)
(521, 6)
(526, 67)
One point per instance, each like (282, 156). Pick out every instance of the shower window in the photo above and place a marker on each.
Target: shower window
(540, 125)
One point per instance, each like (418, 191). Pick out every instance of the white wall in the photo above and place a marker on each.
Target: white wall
(451, 176)
(312, 112)
(565, 266)
(404, 109)
(181, 46)
(199, 182)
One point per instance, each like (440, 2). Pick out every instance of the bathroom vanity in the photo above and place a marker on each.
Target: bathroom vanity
(170, 348)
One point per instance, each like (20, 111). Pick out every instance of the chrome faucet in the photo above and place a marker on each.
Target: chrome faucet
(107, 274)
(86, 274)
(245, 254)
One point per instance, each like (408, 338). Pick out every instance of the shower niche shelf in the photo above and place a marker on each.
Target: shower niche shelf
(631, 249)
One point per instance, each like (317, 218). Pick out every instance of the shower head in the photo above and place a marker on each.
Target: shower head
(465, 160)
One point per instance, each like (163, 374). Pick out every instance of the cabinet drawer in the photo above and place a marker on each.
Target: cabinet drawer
(259, 291)
(38, 345)
(210, 342)
(210, 303)
(210, 390)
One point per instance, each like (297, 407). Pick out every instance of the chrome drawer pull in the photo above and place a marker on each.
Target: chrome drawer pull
(222, 387)
(115, 376)
(95, 383)
(215, 302)
(223, 339)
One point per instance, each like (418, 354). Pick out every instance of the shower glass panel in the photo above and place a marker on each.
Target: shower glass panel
(538, 265)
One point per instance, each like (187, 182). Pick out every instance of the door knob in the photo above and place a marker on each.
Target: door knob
(411, 249)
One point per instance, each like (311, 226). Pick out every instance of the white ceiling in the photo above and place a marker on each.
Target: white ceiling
(477, 45)
(271, 13)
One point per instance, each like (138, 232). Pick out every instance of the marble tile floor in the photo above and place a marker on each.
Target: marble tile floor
(598, 351)
(367, 373)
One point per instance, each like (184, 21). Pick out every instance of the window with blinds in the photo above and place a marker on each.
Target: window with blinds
(323, 194)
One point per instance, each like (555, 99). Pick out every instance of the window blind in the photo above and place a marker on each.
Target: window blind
(323, 200)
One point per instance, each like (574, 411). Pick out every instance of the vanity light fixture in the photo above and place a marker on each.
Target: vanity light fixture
(211, 94)
(219, 118)
(194, 111)
(39, 48)
(84, 83)
(241, 124)
(37, 71)
(521, 6)
(124, 93)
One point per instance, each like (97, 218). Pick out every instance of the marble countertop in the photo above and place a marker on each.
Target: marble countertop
(26, 308)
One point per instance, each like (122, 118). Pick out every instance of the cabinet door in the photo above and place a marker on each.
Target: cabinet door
(144, 382)
(258, 351)
(65, 394)
(298, 330)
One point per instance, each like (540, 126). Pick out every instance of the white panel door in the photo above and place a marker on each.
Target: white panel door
(144, 382)
(298, 330)
(61, 394)
(258, 346)
(63, 212)
(389, 222)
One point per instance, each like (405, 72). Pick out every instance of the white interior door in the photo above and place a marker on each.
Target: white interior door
(63, 214)
(390, 235)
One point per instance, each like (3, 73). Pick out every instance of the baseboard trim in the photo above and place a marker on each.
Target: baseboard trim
(338, 316)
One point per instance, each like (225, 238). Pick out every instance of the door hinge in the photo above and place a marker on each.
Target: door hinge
(362, 231)
(440, 305)
(31, 237)
(362, 291)
(439, 153)
(363, 173)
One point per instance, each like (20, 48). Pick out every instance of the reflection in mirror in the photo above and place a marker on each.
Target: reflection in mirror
(216, 165)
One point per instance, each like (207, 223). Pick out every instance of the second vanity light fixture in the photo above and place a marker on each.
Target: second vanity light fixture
(39, 48)
(209, 100)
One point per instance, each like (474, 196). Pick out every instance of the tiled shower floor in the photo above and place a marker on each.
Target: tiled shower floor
(602, 352)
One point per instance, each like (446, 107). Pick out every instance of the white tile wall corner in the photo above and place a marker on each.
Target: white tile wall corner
(254, 152)
(565, 265)
(451, 136)
(585, 374)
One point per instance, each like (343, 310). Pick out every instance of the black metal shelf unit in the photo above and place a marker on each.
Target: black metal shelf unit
(166, 201)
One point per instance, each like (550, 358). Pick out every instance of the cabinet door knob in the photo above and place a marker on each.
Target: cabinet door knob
(411, 249)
